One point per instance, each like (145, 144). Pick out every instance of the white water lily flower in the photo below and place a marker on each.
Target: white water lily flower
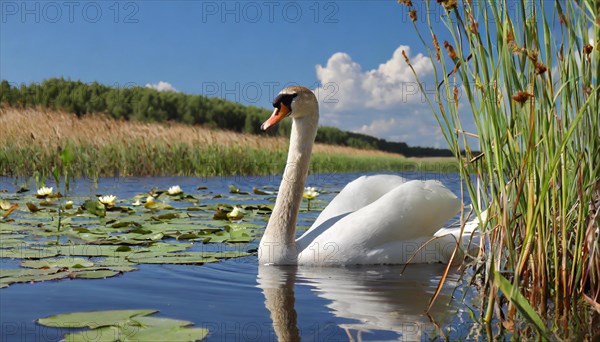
(151, 203)
(45, 191)
(236, 214)
(5, 205)
(137, 203)
(69, 205)
(310, 193)
(108, 200)
(174, 190)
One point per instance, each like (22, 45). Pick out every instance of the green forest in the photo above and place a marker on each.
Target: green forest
(149, 105)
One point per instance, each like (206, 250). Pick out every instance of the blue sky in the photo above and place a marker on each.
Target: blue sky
(241, 50)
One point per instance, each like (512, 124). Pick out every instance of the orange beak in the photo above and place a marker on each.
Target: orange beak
(278, 115)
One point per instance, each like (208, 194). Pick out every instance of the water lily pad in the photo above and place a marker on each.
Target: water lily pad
(192, 259)
(239, 237)
(119, 209)
(142, 328)
(12, 243)
(232, 234)
(51, 275)
(92, 319)
(123, 224)
(32, 207)
(227, 254)
(22, 253)
(140, 231)
(215, 237)
(58, 263)
(124, 239)
(234, 189)
(104, 334)
(166, 216)
(94, 207)
(155, 205)
(21, 272)
(22, 189)
(262, 209)
(172, 334)
(163, 247)
(8, 228)
(91, 250)
(151, 236)
(114, 263)
(187, 236)
(160, 322)
(257, 191)
(96, 274)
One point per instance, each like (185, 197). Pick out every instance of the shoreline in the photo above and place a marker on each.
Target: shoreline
(100, 146)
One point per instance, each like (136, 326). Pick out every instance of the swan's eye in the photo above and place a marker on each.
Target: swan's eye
(286, 99)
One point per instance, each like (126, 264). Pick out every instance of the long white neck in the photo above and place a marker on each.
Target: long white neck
(278, 244)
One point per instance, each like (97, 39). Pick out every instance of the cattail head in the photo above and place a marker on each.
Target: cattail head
(521, 97)
(448, 4)
(436, 45)
(413, 15)
(405, 57)
(450, 50)
(540, 68)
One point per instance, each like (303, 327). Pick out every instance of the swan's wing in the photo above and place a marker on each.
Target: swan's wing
(357, 194)
(470, 226)
(410, 211)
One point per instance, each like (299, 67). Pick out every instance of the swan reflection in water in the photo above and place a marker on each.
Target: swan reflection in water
(375, 297)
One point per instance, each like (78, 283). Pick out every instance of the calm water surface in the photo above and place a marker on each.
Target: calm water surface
(239, 301)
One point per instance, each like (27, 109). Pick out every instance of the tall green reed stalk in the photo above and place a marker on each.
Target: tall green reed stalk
(530, 76)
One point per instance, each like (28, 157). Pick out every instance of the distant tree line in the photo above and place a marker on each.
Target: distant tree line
(149, 105)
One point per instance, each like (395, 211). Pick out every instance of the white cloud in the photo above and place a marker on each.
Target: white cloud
(384, 102)
(161, 86)
(378, 127)
(391, 84)
(406, 129)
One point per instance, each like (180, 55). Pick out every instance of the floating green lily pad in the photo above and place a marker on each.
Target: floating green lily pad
(92, 319)
(100, 274)
(50, 275)
(22, 253)
(174, 259)
(94, 207)
(58, 263)
(90, 250)
(160, 322)
(124, 325)
(19, 272)
(167, 334)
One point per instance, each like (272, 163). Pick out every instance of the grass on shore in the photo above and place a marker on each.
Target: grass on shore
(34, 139)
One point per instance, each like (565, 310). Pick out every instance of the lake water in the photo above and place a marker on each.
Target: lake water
(239, 301)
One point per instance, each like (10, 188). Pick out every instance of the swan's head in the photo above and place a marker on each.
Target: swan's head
(295, 102)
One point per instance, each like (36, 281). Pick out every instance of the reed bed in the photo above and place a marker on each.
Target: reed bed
(529, 74)
(33, 140)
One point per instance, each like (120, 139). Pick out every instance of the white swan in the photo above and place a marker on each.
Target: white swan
(374, 220)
